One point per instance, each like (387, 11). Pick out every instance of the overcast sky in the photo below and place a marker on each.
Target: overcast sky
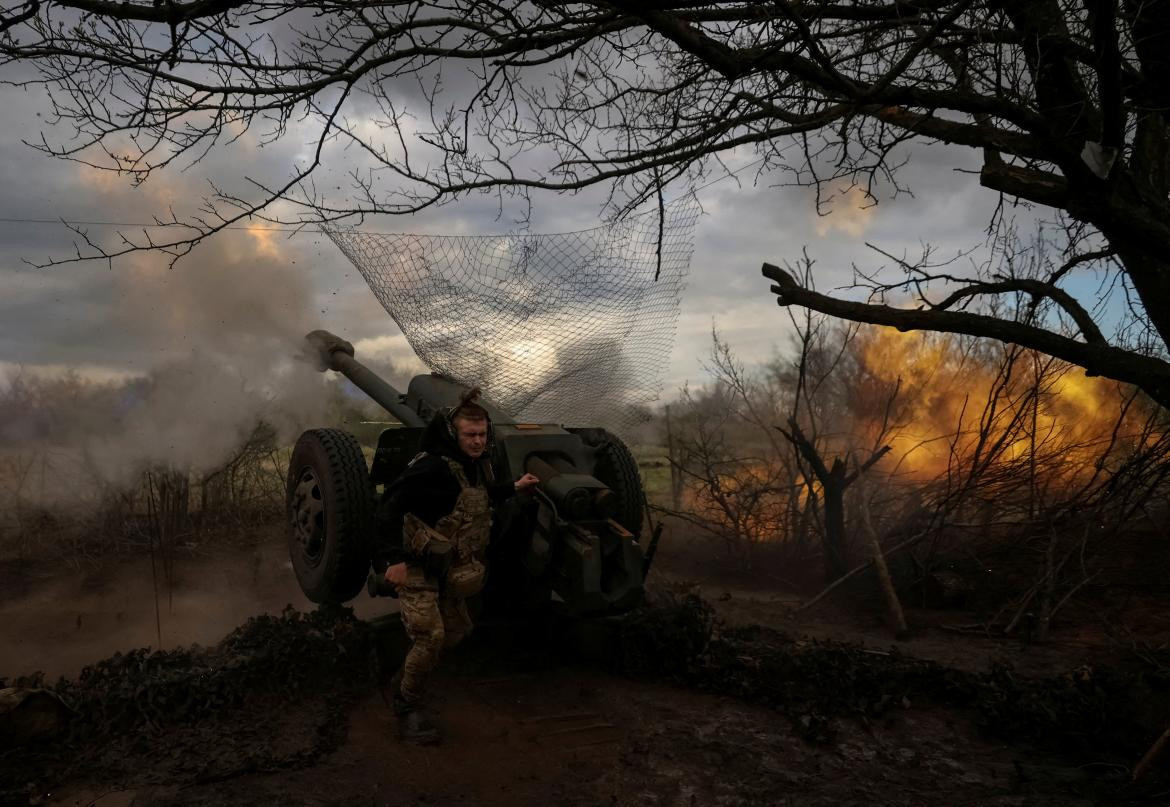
(246, 289)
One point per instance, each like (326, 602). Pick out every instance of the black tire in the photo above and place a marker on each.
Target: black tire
(329, 509)
(617, 469)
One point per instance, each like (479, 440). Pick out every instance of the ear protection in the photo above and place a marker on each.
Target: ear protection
(450, 412)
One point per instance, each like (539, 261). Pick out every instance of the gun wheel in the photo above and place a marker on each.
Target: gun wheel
(329, 512)
(617, 469)
(308, 517)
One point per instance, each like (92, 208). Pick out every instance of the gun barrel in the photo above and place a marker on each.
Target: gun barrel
(334, 353)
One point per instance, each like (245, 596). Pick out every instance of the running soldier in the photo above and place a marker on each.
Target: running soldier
(436, 521)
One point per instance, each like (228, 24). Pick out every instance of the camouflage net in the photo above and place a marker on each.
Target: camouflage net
(570, 328)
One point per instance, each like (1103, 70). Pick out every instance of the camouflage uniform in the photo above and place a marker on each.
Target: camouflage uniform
(435, 612)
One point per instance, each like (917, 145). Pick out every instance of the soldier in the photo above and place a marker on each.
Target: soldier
(435, 523)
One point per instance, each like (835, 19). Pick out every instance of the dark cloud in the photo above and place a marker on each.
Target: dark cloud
(244, 289)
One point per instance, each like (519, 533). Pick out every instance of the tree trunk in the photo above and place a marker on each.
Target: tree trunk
(836, 543)
(897, 616)
(833, 481)
(672, 460)
(1046, 595)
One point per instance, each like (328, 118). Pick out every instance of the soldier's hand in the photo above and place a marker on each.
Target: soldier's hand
(396, 574)
(526, 482)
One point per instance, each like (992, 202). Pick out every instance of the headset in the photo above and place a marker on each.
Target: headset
(469, 398)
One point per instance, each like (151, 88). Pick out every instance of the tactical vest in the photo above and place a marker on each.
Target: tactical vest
(467, 528)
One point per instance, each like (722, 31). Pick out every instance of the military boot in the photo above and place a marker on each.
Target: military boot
(414, 726)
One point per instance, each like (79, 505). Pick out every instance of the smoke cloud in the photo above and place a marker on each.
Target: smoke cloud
(218, 337)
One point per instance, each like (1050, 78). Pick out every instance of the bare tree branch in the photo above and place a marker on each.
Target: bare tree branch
(1067, 103)
(1150, 373)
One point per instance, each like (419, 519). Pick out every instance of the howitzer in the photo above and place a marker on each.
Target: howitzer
(574, 543)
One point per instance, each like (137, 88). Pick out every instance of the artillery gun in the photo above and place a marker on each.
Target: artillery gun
(575, 543)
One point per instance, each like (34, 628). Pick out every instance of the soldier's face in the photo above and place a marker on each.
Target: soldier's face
(472, 436)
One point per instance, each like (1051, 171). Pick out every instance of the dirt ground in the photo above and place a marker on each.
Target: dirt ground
(563, 731)
(577, 737)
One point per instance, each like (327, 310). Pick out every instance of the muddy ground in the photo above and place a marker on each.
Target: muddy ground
(737, 705)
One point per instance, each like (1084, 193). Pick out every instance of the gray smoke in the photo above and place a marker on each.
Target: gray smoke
(218, 337)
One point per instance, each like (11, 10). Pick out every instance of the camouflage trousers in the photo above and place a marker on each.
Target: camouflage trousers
(433, 623)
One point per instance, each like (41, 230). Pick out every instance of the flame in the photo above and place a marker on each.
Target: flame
(943, 394)
(1012, 427)
(758, 521)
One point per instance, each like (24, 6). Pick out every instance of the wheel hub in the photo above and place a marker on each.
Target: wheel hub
(307, 512)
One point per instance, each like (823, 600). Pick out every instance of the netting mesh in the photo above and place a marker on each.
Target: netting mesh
(571, 328)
